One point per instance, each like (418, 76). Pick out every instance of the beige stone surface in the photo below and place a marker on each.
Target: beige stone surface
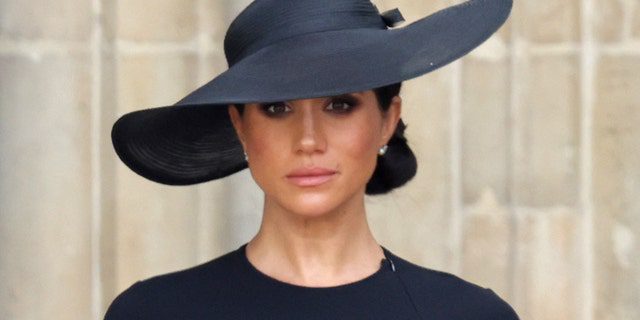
(635, 23)
(496, 199)
(422, 208)
(45, 188)
(609, 20)
(153, 222)
(546, 131)
(42, 19)
(157, 20)
(154, 228)
(109, 21)
(214, 16)
(547, 276)
(145, 81)
(487, 244)
(108, 100)
(547, 21)
(485, 131)
(617, 188)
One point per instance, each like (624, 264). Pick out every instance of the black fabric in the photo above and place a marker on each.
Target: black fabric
(229, 287)
(268, 21)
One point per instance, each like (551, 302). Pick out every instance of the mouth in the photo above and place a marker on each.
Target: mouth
(311, 177)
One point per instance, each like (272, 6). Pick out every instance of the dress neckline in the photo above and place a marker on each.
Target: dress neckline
(387, 267)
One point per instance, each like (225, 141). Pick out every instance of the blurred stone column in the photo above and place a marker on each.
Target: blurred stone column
(616, 160)
(528, 177)
(486, 87)
(156, 63)
(617, 188)
(545, 160)
(45, 159)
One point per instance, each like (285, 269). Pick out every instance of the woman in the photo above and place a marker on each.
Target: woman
(310, 104)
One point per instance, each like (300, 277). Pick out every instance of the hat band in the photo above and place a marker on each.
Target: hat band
(290, 21)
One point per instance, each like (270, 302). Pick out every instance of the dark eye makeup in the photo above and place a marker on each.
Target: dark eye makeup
(275, 109)
(342, 104)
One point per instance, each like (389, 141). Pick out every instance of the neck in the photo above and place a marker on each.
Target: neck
(329, 249)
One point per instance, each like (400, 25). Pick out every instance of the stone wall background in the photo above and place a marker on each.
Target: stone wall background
(529, 150)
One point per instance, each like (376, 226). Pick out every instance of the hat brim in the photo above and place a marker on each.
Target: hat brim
(193, 141)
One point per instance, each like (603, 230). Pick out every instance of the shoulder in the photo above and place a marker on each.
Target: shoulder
(168, 295)
(449, 296)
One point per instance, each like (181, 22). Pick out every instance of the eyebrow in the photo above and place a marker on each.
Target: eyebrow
(354, 95)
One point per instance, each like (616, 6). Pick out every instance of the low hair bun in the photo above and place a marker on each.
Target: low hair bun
(396, 167)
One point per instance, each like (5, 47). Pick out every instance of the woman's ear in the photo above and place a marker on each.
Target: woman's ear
(391, 119)
(236, 120)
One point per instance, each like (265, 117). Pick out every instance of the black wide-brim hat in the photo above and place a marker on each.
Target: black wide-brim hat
(284, 50)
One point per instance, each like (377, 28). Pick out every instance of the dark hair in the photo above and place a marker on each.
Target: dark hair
(398, 165)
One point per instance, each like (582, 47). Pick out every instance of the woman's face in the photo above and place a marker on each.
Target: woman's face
(313, 156)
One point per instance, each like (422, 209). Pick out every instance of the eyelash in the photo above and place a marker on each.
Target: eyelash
(270, 108)
(351, 103)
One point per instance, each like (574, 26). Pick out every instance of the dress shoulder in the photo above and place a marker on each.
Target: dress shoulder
(168, 295)
(441, 295)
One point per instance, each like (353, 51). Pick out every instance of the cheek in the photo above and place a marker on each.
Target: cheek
(267, 152)
(358, 145)
(261, 136)
(260, 145)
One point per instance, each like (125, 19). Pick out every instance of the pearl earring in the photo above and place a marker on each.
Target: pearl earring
(383, 150)
(246, 157)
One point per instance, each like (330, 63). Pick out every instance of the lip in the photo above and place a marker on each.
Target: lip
(310, 177)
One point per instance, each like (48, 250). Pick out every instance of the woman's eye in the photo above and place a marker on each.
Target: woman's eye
(339, 106)
(276, 109)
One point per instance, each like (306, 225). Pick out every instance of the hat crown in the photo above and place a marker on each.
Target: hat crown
(265, 22)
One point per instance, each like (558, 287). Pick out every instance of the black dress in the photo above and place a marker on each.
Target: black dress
(229, 287)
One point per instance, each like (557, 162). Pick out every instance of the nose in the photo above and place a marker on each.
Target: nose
(310, 136)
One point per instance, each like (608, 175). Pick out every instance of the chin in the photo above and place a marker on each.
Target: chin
(311, 204)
